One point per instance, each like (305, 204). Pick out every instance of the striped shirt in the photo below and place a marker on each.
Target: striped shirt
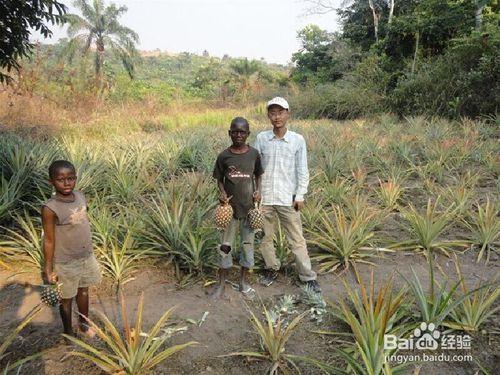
(285, 167)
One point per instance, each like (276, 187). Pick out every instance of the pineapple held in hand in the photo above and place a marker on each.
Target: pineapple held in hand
(256, 218)
(51, 295)
(223, 215)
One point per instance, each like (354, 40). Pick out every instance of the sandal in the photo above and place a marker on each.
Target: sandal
(248, 293)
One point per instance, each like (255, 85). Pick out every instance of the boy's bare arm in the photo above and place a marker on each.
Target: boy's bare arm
(49, 228)
(222, 192)
(257, 194)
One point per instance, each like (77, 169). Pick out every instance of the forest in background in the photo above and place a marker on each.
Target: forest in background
(417, 57)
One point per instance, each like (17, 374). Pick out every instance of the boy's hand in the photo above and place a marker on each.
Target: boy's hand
(223, 197)
(257, 197)
(298, 205)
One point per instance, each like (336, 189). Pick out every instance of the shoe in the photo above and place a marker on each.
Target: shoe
(313, 284)
(268, 277)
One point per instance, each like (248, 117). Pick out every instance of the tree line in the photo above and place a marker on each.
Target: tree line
(434, 57)
(412, 57)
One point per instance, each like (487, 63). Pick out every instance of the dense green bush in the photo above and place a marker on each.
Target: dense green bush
(324, 57)
(428, 57)
(140, 90)
(462, 82)
(360, 93)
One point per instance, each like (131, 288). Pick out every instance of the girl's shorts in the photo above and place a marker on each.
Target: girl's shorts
(79, 273)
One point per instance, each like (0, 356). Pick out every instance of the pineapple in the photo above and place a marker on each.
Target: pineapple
(256, 218)
(223, 215)
(51, 295)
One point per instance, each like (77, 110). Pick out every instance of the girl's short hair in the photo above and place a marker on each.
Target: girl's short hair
(59, 164)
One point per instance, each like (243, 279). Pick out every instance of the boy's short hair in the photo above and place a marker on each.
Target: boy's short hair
(240, 121)
(59, 164)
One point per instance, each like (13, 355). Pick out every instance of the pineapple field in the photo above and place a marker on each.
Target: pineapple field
(401, 220)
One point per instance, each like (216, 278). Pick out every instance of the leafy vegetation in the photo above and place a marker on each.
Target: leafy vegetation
(342, 241)
(11, 336)
(133, 351)
(99, 27)
(144, 151)
(477, 305)
(16, 20)
(485, 228)
(273, 336)
(150, 194)
(425, 228)
(370, 318)
(420, 57)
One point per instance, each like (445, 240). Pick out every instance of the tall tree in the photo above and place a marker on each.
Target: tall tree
(17, 20)
(428, 25)
(324, 56)
(376, 7)
(364, 21)
(246, 73)
(391, 12)
(376, 18)
(98, 27)
(480, 5)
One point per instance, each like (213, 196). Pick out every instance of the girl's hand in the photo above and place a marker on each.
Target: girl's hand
(50, 275)
(257, 197)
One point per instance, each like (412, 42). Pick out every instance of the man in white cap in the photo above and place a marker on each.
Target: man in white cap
(284, 184)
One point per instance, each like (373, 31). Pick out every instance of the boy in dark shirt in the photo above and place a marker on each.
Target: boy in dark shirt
(238, 172)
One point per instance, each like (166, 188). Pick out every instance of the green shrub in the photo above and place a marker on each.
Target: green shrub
(462, 82)
(359, 93)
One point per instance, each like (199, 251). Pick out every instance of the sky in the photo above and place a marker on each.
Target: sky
(239, 28)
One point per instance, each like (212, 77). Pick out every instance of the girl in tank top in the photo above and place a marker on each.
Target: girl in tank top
(67, 245)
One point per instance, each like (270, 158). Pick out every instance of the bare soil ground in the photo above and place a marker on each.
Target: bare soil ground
(226, 328)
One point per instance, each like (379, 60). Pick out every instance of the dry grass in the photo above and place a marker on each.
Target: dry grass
(41, 115)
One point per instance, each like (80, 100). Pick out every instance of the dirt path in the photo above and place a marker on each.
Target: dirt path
(226, 328)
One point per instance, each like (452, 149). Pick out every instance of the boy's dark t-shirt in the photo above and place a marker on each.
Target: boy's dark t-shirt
(237, 172)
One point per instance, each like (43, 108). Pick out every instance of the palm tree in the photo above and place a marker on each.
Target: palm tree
(98, 27)
(246, 72)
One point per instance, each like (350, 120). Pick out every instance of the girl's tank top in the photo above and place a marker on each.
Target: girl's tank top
(73, 238)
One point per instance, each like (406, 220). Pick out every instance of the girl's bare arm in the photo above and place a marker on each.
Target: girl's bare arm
(49, 219)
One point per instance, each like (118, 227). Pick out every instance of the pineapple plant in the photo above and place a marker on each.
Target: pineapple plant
(256, 218)
(51, 294)
(223, 215)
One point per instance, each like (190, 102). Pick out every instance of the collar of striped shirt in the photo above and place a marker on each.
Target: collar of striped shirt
(286, 137)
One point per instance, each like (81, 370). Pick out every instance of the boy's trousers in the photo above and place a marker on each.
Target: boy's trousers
(292, 224)
(228, 237)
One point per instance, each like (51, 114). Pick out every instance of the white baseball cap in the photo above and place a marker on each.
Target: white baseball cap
(278, 101)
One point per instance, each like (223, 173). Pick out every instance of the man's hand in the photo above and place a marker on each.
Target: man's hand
(50, 274)
(298, 205)
(257, 197)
